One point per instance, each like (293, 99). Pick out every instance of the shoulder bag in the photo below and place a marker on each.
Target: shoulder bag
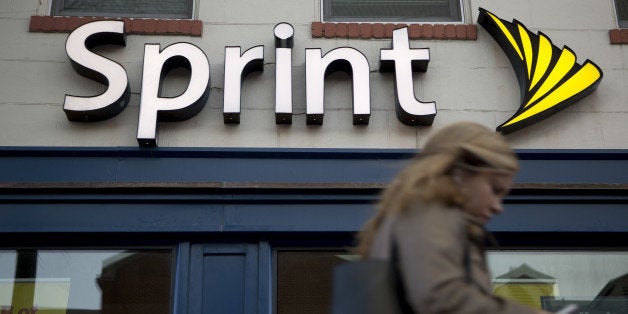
(370, 286)
(374, 286)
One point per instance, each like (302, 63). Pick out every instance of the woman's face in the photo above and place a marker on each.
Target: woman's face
(486, 191)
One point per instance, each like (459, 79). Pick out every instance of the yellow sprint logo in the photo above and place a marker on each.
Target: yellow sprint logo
(549, 77)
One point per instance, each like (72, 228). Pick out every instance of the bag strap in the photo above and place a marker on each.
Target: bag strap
(398, 278)
(472, 237)
(466, 260)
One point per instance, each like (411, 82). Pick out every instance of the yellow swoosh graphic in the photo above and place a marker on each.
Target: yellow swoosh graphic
(586, 76)
(543, 60)
(527, 48)
(562, 66)
(549, 78)
(504, 30)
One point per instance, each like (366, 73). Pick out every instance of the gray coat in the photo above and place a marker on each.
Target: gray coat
(431, 243)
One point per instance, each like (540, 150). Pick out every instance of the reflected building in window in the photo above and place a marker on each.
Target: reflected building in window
(137, 282)
(613, 298)
(525, 285)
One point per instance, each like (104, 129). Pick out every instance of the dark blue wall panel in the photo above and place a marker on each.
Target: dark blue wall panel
(266, 191)
(272, 165)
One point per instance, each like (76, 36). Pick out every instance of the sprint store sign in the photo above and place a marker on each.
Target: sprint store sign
(549, 78)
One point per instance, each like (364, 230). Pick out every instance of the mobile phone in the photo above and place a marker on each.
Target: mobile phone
(569, 309)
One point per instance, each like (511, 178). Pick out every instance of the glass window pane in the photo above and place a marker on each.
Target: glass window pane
(304, 280)
(124, 8)
(622, 12)
(393, 10)
(596, 281)
(86, 281)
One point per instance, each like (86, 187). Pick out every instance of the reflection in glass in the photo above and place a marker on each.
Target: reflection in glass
(123, 8)
(526, 285)
(86, 281)
(392, 10)
(596, 281)
(304, 280)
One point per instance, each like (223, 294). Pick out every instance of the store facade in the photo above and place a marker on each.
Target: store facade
(203, 166)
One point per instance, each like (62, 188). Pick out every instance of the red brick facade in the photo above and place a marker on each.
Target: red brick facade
(618, 36)
(66, 24)
(384, 30)
(63, 24)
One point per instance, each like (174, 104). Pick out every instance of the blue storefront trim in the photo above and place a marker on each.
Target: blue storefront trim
(33, 164)
(182, 190)
(202, 165)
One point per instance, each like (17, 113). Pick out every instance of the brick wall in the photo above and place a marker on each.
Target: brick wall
(618, 36)
(384, 30)
(132, 26)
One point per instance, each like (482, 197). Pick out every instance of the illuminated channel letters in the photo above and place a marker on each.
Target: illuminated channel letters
(403, 60)
(344, 59)
(237, 67)
(284, 41)
(78, 47)
(153, 107)
(549, 77)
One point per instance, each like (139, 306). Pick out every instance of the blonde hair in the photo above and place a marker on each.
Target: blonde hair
(427, 179)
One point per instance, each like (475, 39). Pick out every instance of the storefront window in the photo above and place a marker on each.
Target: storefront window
(85, 281)
(595, 281)
(392, 11)
(181, 9)
(304, 280)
